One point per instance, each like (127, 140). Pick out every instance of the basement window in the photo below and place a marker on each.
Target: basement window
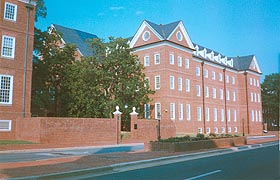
(5, 125)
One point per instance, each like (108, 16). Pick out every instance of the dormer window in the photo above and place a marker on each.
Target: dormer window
(212, 55)
(179, 36)
(146, 35)
(204, 53)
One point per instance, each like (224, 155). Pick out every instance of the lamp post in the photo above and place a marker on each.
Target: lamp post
(243, 126)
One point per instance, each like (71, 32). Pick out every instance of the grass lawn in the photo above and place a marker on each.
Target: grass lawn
(13, 142)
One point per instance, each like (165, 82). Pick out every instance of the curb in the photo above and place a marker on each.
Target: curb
(126, 166)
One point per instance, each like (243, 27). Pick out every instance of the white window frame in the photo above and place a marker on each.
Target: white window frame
(157, 82)
(197, 71)
(172, 111)
(229, 129)
(227, 79)
(181, 111)
(207, 114)
(188, 86)
(198, 90)
(171, 58)
(257, 117)
(213, 75)
(223, 130)
(251, 81)
(216, 130)
(252, 97)
(208, 130)
(180, 84)
(221, 94)
(255, 97)
(187, 63)
(148, 81)
(233, 96)
(198, 109)
(215, 114)
(222, 115)
(259, 98)
(228, 114)
(206, 73)
(171, 82)
(9, 127)
(15, 12)
(234, 115)
(200, 130)
(260, 116)
(179, 59)
(157, 110)
(12, 46)
(235, 129)
(233, 79)
(253, 115)
(157, 58)
(228, 97)
(214, 93)
(10, 90)
(146, 61)
(220, 77)
(207, 91)
(188, 111)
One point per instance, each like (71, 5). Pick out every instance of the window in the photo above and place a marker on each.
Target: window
(157, 58)
(187, 63)
(255, 82)
(172, 111)
(180, 84)
(228, 114)
(233, 80)
(179, 36)
(227, 79)
(260, 116)
(188, 111)
(259, 98)
(257, 119)
(146, 36)
(146, 111)
(146, 61)
(198, 90)
(235, 129)
(234, 115)
(157, 82)
(258, 83)
(214, 93)
(181, 107)
(213, 75)
(233, 96)
(188, 87)
(197, 71)
(206, 91)
(252, 97)
(222, 115)
(208, 130)
(6, 89)
(255, 97)
(5, 125)
(223, 130)
(199, 113)
(220, 77)
(229, 129)
(251, 82)
(10, 12)
(157, 110)
(221, 94)
(8, 46)
(147, 79)
(172, 85)
(207, 114)
(228, 98)
(216, 130)
(179, 61)
(200, 130)
(253, 115)
(205, 73)
(171, 58)
(215, 114)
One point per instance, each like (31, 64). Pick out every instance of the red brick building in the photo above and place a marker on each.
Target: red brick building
(198, 89)
(16, 40)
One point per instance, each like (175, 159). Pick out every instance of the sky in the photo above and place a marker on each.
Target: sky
(231, 27)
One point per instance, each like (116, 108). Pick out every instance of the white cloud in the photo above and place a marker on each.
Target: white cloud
(116, 8)
(139, 12)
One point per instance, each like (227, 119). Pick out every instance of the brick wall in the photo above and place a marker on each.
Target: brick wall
(53, 130)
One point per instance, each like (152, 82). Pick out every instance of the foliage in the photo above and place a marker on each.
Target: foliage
(41, 10)
(13, 142)
(198, 137)
(112, 76)
(49, 93)
(270, 98)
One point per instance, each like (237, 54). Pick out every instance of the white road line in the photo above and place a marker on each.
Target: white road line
(202, 175)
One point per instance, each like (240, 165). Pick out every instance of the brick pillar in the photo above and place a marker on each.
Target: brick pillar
(133, 123)
(117, 117)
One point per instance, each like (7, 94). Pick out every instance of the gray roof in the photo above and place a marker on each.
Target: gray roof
(239, 63)
(164, 30)
(77, 37)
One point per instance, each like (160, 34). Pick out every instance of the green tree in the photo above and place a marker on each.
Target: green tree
(50, 66)
(41, 10)
(113, 76)
(270, 99)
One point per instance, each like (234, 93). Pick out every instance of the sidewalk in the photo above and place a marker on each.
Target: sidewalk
(34, 168)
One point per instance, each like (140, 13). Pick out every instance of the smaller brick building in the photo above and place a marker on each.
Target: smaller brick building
(16, 40)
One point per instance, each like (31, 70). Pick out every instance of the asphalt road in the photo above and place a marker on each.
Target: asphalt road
(58, 153)
(255, 164)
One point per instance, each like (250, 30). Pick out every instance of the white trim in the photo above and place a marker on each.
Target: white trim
(9, 125)
(162, 43)
(184, 33)
(10, 91)
(256, 63)
(13, 48)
